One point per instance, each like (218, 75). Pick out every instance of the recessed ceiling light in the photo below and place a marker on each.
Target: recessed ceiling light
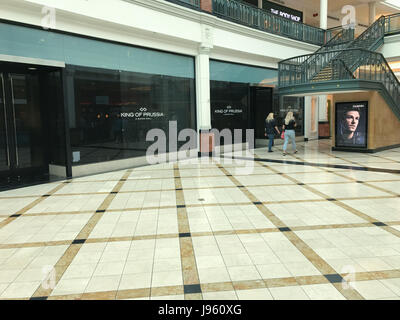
(32, 68)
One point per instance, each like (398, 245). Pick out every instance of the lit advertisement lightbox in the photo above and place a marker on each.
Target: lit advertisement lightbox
(351, 124)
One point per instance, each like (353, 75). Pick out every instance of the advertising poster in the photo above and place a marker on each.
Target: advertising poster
(351, 124)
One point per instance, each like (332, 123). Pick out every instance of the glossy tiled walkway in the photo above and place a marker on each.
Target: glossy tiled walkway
(318, 227)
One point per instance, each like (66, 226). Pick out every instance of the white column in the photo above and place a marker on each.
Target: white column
(323, 14)
(203, 79)
(203, 89)
(323, 108)
(311, 112)
(372, 12)
(260, 4)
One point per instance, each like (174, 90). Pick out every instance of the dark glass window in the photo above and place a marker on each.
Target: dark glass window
(112, 111)
(296, 105)
(230, 106)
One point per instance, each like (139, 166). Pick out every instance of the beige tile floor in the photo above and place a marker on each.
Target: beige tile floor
(207, 229)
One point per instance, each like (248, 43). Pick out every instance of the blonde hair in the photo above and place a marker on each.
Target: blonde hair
(289, 117)
(270, 116)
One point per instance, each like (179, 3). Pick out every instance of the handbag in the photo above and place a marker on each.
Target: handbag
(283, 135)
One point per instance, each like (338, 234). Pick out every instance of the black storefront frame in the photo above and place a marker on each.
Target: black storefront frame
(68, 147)
(31, 174)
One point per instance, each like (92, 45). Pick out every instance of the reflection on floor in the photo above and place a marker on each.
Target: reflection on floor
(210, 229)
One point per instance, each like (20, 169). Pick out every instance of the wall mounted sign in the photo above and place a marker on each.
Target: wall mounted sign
(228, 111)
(142, 114)
(283, 11)
(351, 120)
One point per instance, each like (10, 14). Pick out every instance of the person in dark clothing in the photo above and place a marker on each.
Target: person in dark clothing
(270, 130)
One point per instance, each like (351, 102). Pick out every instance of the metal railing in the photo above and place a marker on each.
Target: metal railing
(252, 16)
(347, 64)
(315, 63)
(392, 24)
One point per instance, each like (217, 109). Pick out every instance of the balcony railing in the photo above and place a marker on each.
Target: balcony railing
(392, 24)
(252, 16)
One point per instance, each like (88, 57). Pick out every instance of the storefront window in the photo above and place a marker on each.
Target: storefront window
(296, 105)
(114, 110)
(230, 105)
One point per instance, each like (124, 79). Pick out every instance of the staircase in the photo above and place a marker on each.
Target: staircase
(344, 63)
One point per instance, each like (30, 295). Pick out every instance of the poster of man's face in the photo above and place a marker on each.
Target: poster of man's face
(351, 124)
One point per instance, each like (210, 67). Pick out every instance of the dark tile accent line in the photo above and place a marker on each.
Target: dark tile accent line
(78, 241)
(113, 192)
(179, 189)
(46, 195)
(191, 288)
(38, 298)
(360, 181)
(100, 211)
(331, 199)
(285, 229)
(15, 215)
(257, 202)
(181, 206)
(301, 184)
(379, 224)
(333, 278)
(302, 163)
(185, 235)
(240, 186)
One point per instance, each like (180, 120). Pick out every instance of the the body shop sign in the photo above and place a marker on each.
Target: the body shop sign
(142, 114)
(228, 111)
(283, 11)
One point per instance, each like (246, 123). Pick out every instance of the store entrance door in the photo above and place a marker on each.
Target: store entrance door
(22, 140)
(261, 106)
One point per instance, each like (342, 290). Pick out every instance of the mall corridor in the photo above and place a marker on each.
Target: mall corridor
(314, 225)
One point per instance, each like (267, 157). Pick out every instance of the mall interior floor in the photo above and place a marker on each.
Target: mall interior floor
(312, 225)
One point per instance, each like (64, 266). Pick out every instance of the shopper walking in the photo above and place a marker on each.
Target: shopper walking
(270, 130)
(289, 125)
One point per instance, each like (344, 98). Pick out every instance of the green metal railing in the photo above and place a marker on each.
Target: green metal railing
(392, 24)
(252, 16)
(359, 64)
(307, 69)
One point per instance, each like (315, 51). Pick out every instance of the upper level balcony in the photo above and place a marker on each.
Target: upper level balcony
(249, 15)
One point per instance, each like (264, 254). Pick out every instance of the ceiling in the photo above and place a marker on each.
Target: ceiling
(310, 7)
